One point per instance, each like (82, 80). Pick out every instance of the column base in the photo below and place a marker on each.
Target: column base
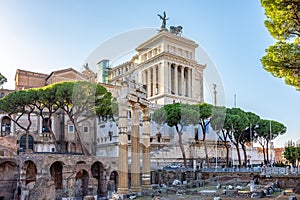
(123, 191)
(135, 189)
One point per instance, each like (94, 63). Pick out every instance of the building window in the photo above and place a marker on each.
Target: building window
(70, 128)
(86, 129)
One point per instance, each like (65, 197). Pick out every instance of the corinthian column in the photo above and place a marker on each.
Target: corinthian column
(123, 147)
(154, 83)
(146, 178)
(149, 82)
(169, 81)
(189, 82)
(176, 79)
(182, 81)
(161, 78)
(135, 148)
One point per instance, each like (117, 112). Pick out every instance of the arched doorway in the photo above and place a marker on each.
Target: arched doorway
(22, 147)
(82, 180)
(113, 180)
(56, 172)
(97, 172)
(30, 171)
(5, 126)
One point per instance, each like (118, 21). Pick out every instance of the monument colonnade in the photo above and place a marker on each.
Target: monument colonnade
(168, 77)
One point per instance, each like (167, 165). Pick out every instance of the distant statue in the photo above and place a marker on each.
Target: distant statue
(86, 66)
(164, 20)
(177, 30)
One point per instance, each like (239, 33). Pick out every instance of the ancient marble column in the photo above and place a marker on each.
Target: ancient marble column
(123, 148)
(135, 148)
(146, 170)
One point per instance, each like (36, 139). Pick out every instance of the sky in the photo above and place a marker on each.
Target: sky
(49, 35)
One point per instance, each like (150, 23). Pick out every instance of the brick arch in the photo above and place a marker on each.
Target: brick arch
(82, 179)
(82, 166)
(98, 172)
(9, 178)
(56, 172)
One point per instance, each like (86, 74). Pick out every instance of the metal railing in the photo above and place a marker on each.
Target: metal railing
(264, 170)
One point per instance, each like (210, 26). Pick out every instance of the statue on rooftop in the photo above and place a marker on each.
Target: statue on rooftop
(164, 20)
(177, 30)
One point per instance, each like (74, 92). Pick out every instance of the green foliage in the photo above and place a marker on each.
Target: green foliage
(283, 60)
(2, 79)
(80, 100)
(17, 102)
(279, 164)
(283, 23)
(263, 129)
(292, 153)
(283, 18)
(176, 114)
(218, 117)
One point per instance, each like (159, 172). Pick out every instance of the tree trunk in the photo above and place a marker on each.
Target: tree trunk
(238, 153)
(227, 154)
(83, 148)
(245, 154)
(264, 152)
(52, 133)
(267, 151)
(204, 142)
(182, 148)
(27, 131)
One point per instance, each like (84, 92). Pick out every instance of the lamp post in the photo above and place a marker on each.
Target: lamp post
(215, 94)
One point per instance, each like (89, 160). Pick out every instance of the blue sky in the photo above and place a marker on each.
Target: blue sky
(48, 35)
